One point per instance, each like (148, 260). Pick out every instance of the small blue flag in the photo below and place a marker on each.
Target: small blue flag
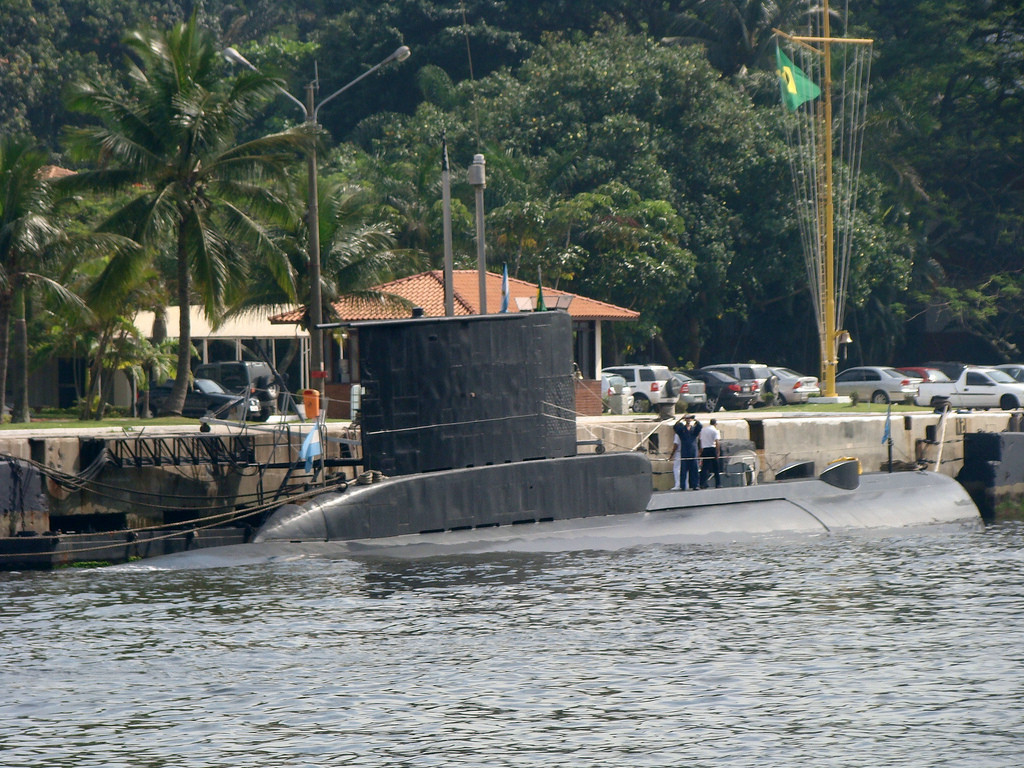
(887, 435)
(310, 447)
(504, 287)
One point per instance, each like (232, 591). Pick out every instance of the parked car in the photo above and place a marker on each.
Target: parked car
(725, 391)
(879, 384)
(758, 373)
(248, 378)
(924, 373)
(974, 388)
(615, 385)
(949, 367)
(205, 398)
(650, 385)
(692, 392)
(794, 387)
(1016, 370)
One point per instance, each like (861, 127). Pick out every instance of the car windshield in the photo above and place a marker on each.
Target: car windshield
(231, 376)
(209, 387)
(894, 374)
(1015, 371)
(1001, 376)
(723, 376)
(788, 373)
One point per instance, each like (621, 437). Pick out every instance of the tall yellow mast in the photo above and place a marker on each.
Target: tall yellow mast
(830, 335)
(830, 353)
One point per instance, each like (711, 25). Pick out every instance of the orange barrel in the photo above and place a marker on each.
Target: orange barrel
(311, 400)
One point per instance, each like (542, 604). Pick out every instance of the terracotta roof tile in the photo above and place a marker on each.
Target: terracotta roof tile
(426, 290)
(48, 172)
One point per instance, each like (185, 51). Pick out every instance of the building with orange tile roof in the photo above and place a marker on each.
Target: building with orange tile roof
(279, 335)
(426, 292)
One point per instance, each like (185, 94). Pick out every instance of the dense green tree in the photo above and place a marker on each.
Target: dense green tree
(616, 142)
(947, 135)
(173, 139)
(509, 80)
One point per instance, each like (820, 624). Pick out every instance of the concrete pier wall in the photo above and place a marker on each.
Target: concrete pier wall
(781, 439)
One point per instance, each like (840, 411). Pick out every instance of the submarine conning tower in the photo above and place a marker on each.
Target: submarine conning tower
(455, 392)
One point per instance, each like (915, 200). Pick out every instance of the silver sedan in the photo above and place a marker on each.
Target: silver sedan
(795, 387)
(878, 384)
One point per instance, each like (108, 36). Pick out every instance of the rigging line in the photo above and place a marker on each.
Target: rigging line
(847, 138)
(855, 117)
(452, 424)
(469, 58)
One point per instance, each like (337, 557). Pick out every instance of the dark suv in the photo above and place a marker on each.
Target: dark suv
(248, 378)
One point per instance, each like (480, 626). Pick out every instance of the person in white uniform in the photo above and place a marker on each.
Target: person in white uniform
(710, 452)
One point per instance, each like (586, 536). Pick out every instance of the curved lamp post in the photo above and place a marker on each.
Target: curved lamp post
(310, 110)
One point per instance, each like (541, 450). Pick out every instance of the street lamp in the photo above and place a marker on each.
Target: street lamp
(310, 110)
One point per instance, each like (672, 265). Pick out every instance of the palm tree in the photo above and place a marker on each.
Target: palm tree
(174, 140)
(30, 241)
(358, 252)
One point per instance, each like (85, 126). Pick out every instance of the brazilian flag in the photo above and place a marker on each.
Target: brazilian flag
(796, 86)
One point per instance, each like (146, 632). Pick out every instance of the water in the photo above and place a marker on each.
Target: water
(903, 648)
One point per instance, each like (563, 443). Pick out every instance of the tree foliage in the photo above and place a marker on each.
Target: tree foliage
(174, 139)
(638, 171)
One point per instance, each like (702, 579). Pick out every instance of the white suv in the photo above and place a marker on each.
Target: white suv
(653, 385)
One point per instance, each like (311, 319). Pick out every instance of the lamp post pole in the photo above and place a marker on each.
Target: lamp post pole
(478, 180)
(316, 300)
(310, 110)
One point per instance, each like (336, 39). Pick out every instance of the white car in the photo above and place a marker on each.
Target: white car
(650, 385)
(877, 384)
(975, 387)
(795, 387)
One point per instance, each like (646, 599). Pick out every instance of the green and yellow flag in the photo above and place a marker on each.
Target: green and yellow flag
(796, 86)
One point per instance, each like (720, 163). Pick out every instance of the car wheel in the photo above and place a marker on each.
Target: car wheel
(265, 414)
(711, 404)
(641, 404)
(880, 398)
(1008, 402)
(782, 399)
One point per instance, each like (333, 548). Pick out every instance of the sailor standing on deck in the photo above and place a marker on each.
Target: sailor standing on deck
(684, 453)
(709, 454)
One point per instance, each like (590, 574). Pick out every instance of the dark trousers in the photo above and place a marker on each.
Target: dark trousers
(709, 464)
(689, 473)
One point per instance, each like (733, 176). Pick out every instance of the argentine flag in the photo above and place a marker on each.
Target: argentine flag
(310, 447)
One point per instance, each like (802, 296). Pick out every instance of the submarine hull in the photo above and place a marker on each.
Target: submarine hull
(612, 485)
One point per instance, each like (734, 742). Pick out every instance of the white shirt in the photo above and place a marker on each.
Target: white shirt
(709, 437)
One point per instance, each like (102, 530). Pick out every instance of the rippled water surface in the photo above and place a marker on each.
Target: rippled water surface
(902, 649)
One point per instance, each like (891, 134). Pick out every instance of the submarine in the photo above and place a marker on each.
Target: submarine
(468, 430)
